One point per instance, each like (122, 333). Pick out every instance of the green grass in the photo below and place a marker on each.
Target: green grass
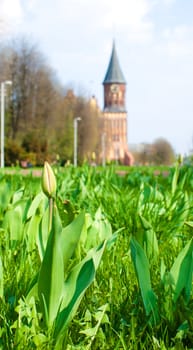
(111, 315)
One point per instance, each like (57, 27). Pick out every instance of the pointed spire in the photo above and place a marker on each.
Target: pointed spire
(114, 73)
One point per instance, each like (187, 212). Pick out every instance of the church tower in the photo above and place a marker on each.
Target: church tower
(114, 116)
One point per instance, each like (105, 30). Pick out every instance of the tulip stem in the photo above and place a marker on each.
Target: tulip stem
(51, 203)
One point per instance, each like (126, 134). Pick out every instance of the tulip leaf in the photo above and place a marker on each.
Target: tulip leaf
(13, 224)
(38, 199)
(18, 195)
(50, 281)
(141, 265)
(42, 237)
(31, 230)
(150, 242)
(70, 237)
(175, 179)
(1, 279)
(181, 272)
(79, 279)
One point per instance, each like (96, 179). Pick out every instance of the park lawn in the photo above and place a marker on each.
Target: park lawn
(108, 267)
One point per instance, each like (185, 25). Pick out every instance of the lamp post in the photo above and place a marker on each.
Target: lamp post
(3, 85)
(76, 120)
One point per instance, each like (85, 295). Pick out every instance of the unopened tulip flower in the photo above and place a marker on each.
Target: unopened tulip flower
(48, 181)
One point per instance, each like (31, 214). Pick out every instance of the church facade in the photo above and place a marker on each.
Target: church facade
(114, 114)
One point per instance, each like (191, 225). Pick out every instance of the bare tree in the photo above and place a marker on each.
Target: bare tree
(40, 116)
(34, 92)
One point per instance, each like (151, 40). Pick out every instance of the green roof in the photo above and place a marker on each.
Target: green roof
(114, 73)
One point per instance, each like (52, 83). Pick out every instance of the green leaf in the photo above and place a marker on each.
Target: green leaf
(101, 318)
(79, 279)
(31, 231)
(18, 195)
(90, 332)
(13, 224)
(39, 339)
(50, 281)
(113, 238)
(1, 279)
(189, 223)
(70, 237)
(5, 194)
(175, 179)
(150, 242)
(38, 199)
(162, 270)
(32, 291)
(101, 315)
(43, 233)
(181, 272)
(66, 210)
(141, 265)
(97, 230)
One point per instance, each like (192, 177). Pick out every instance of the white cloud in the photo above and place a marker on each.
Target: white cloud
(10, 15)
(29, 6)
(177, 41)
(129, 18)
(10, 9)
(169, 2)
(130, 15)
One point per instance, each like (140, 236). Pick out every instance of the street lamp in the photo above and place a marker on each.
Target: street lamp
(76, 120)
(3, 85)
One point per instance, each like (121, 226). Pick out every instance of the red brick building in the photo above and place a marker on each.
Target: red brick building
(114, 115)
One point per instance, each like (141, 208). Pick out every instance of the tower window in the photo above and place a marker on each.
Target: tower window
(115, 137)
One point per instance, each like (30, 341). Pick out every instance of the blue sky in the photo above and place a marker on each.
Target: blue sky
(154, 41)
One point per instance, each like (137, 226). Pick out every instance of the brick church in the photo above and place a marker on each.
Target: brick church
(114, 114)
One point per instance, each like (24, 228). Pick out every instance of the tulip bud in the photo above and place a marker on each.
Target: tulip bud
(180, 159)
(48, 181)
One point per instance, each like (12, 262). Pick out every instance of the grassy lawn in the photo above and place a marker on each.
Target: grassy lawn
(96, 260)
